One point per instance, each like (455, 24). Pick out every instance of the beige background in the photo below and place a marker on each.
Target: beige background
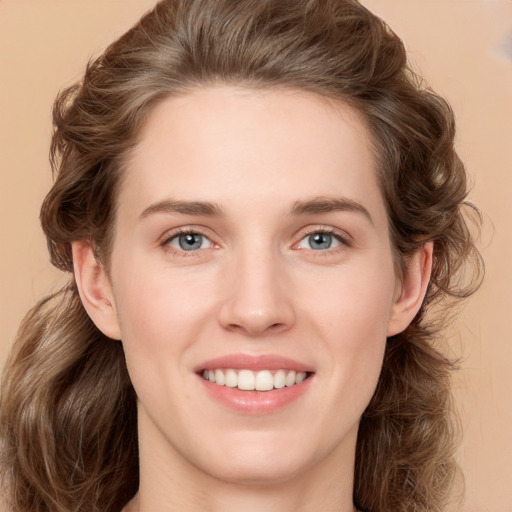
(464, 49)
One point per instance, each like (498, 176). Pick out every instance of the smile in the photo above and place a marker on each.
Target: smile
(252, 384)
(248, 380)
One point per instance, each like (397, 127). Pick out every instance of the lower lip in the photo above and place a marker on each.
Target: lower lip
(256, 402)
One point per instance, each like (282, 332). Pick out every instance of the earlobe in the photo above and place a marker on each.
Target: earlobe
(95, 289)
(412, 289)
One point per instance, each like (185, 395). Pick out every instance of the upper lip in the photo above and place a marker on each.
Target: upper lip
(253, 362)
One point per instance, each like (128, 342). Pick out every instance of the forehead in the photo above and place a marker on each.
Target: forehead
(225, 143)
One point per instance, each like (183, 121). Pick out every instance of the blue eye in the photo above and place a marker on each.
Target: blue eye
(190, 242)
(319, 241)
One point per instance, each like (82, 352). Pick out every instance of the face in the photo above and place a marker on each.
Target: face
(252, 249)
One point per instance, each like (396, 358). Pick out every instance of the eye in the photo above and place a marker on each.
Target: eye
(189, 242)
(320, 241)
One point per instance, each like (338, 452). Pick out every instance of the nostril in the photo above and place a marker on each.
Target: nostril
(277, 327)
(255, 316)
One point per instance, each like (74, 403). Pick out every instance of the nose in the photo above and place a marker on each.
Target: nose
(258, 297)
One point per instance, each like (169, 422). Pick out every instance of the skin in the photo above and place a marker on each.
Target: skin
(256, 285)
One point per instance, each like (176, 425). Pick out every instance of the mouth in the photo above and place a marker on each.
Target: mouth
(250, 380)
(255, 384)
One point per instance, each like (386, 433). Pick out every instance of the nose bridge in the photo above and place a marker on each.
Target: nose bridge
(257, 300)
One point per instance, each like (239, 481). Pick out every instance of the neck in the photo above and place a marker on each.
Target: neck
(283, 497)
(171, 481)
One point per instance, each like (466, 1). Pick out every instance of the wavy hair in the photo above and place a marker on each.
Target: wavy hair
(68, 410)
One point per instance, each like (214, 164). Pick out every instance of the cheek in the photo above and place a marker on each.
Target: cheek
(159, 324)
(162, 314)
(351, 319)
(151, 315)
(355, 301)
(149, 312)
(153, 297)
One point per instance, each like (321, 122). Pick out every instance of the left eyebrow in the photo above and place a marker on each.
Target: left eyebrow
(183, 207)
(324, 205)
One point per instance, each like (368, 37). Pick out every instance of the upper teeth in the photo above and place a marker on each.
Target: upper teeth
(247, 380)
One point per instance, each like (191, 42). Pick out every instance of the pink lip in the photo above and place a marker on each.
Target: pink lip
(249, 362)
(254, 402)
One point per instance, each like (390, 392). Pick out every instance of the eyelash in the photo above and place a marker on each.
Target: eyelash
(165, 244)
(344, 240)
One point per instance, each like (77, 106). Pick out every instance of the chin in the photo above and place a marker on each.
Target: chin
(257, 472)
(261, 459)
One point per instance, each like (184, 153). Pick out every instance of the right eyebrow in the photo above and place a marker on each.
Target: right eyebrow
(183, 207)
(325, 204)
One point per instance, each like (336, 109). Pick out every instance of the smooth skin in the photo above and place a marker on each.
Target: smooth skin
(250, 221)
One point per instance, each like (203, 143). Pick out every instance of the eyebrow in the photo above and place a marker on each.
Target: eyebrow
(324, 205)
(318, 205)
(184, 208)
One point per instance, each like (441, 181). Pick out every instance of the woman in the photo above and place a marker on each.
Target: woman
(258, 203)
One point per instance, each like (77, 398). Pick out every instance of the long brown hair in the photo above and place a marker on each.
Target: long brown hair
(68, 409)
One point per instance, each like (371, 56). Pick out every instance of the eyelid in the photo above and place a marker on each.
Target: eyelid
(342, 236)
(168, 236)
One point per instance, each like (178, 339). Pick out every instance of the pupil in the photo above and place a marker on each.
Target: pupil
(190, 241)
(320, 240)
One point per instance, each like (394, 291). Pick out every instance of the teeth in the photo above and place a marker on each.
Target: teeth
(280, 379)
(300, 377)
(290, 379)
(247, 380)
(231, 379)
(264, 381)
(219, 378)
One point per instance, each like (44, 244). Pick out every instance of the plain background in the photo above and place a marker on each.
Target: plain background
(464, 50)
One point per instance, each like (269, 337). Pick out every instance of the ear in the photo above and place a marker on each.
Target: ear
(95, 289)
(411, 289)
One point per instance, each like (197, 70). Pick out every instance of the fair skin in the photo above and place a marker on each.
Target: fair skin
(251, 228)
